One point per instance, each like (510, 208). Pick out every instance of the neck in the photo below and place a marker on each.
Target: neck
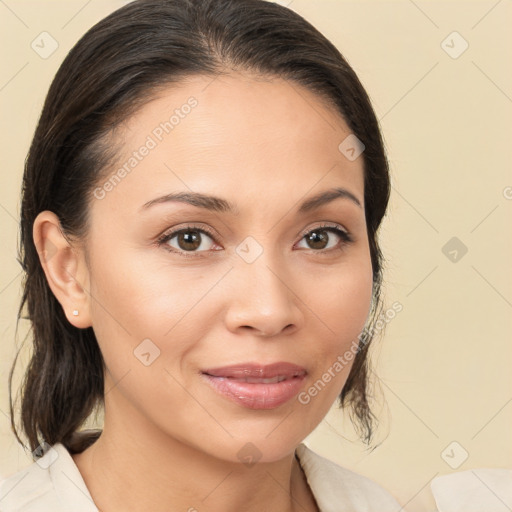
(124, 470)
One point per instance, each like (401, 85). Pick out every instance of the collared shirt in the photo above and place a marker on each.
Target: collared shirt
(54, 484)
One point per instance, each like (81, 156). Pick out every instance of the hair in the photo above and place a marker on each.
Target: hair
(112, 71)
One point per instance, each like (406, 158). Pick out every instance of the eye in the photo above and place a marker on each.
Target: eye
(320, 238)
(189, 239)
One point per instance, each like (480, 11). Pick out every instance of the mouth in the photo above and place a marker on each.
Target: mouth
(258, 372)
(257, 386)
(257, 380)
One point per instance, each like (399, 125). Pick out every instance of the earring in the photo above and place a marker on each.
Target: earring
(75, 312)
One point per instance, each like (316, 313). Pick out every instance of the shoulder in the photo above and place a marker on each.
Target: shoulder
(339, 489)
(52, 483)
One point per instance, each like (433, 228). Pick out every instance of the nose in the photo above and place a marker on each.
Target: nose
(262, 300)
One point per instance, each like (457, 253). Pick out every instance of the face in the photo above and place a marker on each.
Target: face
(178, 288)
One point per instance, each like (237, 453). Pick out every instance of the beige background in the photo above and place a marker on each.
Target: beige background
(444, 361)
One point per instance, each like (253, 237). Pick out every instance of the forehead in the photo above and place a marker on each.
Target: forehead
(232, 133)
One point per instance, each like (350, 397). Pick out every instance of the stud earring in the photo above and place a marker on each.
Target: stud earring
(75, 312)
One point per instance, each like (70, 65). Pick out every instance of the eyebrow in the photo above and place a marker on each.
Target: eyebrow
(217, 204)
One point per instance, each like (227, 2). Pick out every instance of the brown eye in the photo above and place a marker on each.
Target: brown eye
(187, 240)
(321, 239)
(318, 239)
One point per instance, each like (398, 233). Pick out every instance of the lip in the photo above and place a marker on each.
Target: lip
(229, 381)
(256, 370)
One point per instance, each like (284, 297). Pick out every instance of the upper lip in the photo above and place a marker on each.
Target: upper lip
(255, 370)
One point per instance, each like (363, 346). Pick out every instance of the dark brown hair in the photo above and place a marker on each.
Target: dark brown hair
(113, 70)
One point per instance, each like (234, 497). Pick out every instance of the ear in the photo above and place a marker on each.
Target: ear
(65, 268)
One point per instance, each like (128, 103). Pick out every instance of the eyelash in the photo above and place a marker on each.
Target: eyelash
(333, 228)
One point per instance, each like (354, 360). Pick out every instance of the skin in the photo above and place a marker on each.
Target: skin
(266, 145)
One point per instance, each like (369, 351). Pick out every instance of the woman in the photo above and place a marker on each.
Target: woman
(199, 225)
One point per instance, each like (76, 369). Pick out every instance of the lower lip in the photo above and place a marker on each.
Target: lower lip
(256, 396)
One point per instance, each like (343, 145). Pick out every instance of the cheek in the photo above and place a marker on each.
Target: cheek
(342, 300)
(340, 306)
(353, 296)
(136, 295)
(144, 306)
(140, 321)
(130, 304)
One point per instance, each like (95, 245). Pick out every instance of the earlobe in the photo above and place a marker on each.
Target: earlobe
(64, 267)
